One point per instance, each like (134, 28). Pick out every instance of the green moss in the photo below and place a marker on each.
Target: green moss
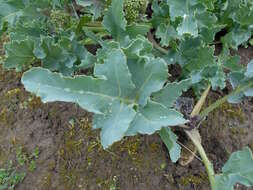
(47, 181)
(70, 173)
(238, 130)
(11, 93)
(3, 157)
(232, 111)
(34, 102)
(193, 180)
(4, 116)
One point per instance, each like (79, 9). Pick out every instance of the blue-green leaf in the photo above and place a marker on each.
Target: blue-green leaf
(114, 20)
(148, 75)
(153, 117)
(171, 92)
(249, 72)
(238, 169)
(166, 33)
(170, 140)
(114, 123)
(19, 54)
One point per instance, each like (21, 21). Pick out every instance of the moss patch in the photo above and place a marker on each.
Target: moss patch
(193, 180)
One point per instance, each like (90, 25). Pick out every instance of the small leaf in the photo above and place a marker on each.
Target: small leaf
(219, 79)
(236, 37)
(96, 7)
(170, 140)
(166, 33)
(249, 72)
(114, 20)
(19, 54)
(188, 26)
(171, 92)
(10, 11)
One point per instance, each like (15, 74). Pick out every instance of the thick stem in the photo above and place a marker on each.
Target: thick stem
(156, 45)
(196, 139)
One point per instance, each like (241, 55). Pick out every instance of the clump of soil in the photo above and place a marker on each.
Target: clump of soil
(71, 156)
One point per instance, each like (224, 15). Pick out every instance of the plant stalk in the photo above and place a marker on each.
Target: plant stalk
(221, 101)
(95, 28)
(156, 45)
(196, 139)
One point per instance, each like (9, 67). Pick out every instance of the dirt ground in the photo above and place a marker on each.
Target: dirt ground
(71, 157)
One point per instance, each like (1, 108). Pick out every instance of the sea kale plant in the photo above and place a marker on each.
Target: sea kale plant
(114, 58)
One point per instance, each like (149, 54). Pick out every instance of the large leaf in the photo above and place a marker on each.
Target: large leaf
(112, 96)
(238, 169)
(181, 8)
(13, 10)
(113, 84)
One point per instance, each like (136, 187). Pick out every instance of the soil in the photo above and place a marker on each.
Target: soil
(71, 157)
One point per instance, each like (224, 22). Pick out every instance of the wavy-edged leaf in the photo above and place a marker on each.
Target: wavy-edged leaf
(249, 72)
(55, 58)
(19, 54)
(161, 13)
(113, 84)
(170, 140)
(238, 169)
(153, 117)
(166, 33)
(235, 79)
(114, 20)
(138, 48)
(171, 92)
(236, 37)
(114, 123)
(188, 26)
(111, 94)
(96, 7)
(116, 74)
(148, 76)
(181, 8)
(11, 10)
(218, 81)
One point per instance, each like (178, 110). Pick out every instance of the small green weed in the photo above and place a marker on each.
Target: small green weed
(9, 177)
